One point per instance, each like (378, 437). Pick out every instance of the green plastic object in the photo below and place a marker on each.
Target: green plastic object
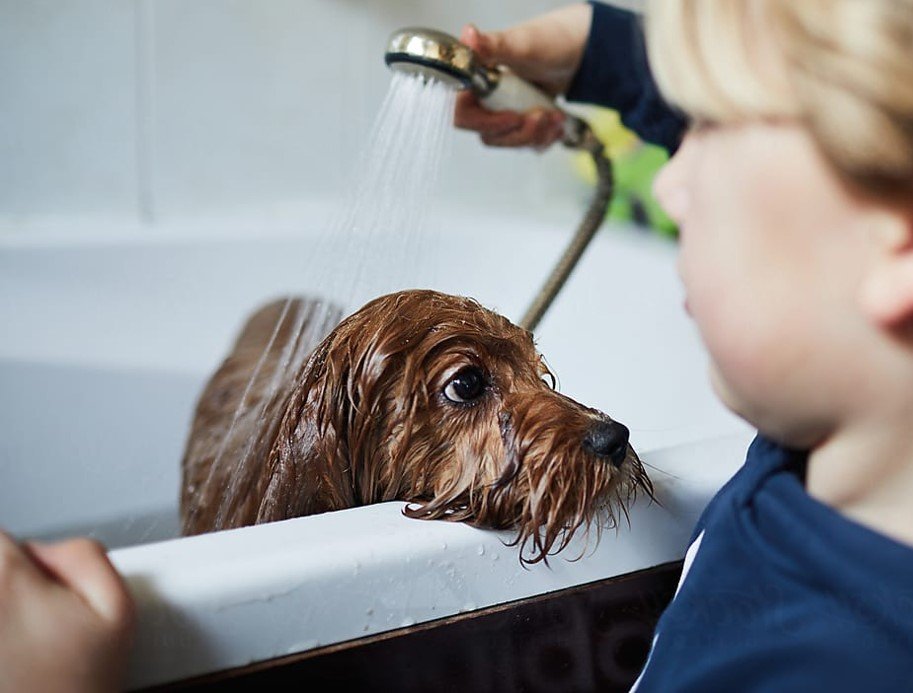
(636, 163)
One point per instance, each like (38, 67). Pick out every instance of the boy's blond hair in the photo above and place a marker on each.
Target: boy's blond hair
(842, 67)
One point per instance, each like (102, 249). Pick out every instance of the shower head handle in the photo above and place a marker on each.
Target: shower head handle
(428, 53)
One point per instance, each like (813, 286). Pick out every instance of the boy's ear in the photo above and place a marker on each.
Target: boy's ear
(887, 293)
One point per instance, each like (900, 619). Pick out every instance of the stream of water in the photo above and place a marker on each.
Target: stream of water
(384, 227)
(380, 241)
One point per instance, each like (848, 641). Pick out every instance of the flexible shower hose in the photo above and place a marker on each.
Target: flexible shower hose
(595, 214)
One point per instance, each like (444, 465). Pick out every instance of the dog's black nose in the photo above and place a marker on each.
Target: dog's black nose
(607, 439)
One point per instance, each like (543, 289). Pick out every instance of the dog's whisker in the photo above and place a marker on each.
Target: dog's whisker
(660, 470)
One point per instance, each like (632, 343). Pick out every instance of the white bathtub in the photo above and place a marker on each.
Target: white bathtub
(106, 344)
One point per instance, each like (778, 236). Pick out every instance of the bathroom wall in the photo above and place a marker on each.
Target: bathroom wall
(154, 119)
(134, 115)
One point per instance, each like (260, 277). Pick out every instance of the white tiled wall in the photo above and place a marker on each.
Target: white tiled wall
(68, 139)
(163, 110)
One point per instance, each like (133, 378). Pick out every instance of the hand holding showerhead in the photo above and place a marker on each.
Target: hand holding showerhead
(513, 127)
(429, 53)
(545, 50)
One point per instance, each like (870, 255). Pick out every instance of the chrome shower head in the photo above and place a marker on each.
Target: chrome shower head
(430, 53)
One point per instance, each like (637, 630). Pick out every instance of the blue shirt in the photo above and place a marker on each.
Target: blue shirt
(779, 592)
(782, 593)
(614, 72)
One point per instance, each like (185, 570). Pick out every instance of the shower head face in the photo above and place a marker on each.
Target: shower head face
(429, 53)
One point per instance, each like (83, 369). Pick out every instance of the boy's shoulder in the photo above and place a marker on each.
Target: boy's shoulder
(763, 458)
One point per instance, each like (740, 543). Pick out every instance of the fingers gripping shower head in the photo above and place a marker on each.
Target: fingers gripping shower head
(431, 54)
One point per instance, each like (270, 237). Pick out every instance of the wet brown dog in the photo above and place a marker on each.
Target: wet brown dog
(419, 396)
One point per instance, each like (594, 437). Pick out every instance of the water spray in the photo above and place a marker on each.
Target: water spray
(427, 54)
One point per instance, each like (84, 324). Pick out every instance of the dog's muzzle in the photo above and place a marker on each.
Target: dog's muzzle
(608, 439)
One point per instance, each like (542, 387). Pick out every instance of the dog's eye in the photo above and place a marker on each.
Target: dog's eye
(468, 384)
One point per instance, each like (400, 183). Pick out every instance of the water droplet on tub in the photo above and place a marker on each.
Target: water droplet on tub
(444, 545)
(481, 550)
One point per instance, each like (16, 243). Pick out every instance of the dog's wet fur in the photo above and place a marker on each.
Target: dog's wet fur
(419, 396)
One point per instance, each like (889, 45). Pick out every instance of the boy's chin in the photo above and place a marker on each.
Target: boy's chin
(738, 405)
(787, 428)
(725, 394)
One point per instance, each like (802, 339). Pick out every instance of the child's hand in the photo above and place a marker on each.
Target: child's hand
(546, 51)
(66, 618)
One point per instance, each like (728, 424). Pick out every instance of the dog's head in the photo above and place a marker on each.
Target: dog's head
(433, 399)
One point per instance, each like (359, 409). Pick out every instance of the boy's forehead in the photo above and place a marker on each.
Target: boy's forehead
(721, 61)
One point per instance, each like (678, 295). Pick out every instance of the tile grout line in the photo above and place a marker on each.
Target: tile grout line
(144, 26)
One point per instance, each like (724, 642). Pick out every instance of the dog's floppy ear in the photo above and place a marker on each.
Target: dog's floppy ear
(307, 470)
(332, 448)
(241, 411)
